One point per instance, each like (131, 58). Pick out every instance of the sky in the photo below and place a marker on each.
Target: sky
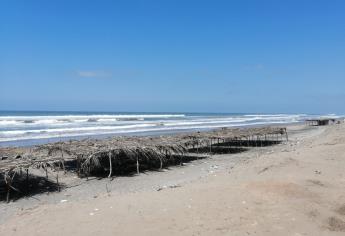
(254, 56)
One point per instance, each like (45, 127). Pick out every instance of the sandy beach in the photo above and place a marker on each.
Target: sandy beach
(294, 188)
(172, 118)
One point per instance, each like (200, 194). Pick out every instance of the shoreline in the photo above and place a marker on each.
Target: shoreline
(31, 143)
(27, 129)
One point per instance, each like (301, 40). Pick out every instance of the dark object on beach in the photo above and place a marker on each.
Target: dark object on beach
(320, 122)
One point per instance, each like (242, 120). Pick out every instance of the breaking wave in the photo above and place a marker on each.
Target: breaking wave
(35, 127)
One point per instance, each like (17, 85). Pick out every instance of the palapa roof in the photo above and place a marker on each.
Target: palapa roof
(151, 146)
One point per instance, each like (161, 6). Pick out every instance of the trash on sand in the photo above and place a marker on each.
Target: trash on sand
(170, 186)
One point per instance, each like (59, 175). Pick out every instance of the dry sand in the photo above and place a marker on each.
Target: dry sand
(296, 188)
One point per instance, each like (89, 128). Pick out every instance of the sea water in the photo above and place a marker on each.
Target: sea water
(28, 128)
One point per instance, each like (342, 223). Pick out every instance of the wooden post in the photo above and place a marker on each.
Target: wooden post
(287, 137)
(57, 180)
(87, 172)
(62, 160)
(138, 172)
(8, 193)
(63, 166)
(27, 181)
(210, 145)
(110, 166)
(7, 181)
(78, 166)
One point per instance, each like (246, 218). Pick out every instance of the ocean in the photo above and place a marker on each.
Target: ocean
(23, 128)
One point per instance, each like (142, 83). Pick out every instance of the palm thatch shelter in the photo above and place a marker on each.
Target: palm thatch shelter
(320, 122)
(118, 155)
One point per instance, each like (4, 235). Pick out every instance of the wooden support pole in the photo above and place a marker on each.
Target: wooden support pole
(138, 171)
(8, 193)
(78, 166)
(287, 137)
(7, 181)
(62, 160)
(87, 172)
(110, 165)
(63, 166)
(57, 180)
(27, 181)
(210, 146)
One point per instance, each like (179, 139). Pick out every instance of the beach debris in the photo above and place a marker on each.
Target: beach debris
(317, 172)
(91, 213)
(161, 188)
(175, 186)
(64, 200)
(170, 186)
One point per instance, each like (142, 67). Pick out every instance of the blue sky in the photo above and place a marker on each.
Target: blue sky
(170, 55)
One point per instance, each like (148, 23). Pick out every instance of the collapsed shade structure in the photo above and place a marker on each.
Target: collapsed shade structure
(118, 155)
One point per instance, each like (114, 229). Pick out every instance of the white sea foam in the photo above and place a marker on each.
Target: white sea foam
(71, 130)
(73, 117)
(6, 121)
(43, 134)
(16, 128)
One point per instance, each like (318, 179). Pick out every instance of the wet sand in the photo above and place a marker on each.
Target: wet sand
(295, 188)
